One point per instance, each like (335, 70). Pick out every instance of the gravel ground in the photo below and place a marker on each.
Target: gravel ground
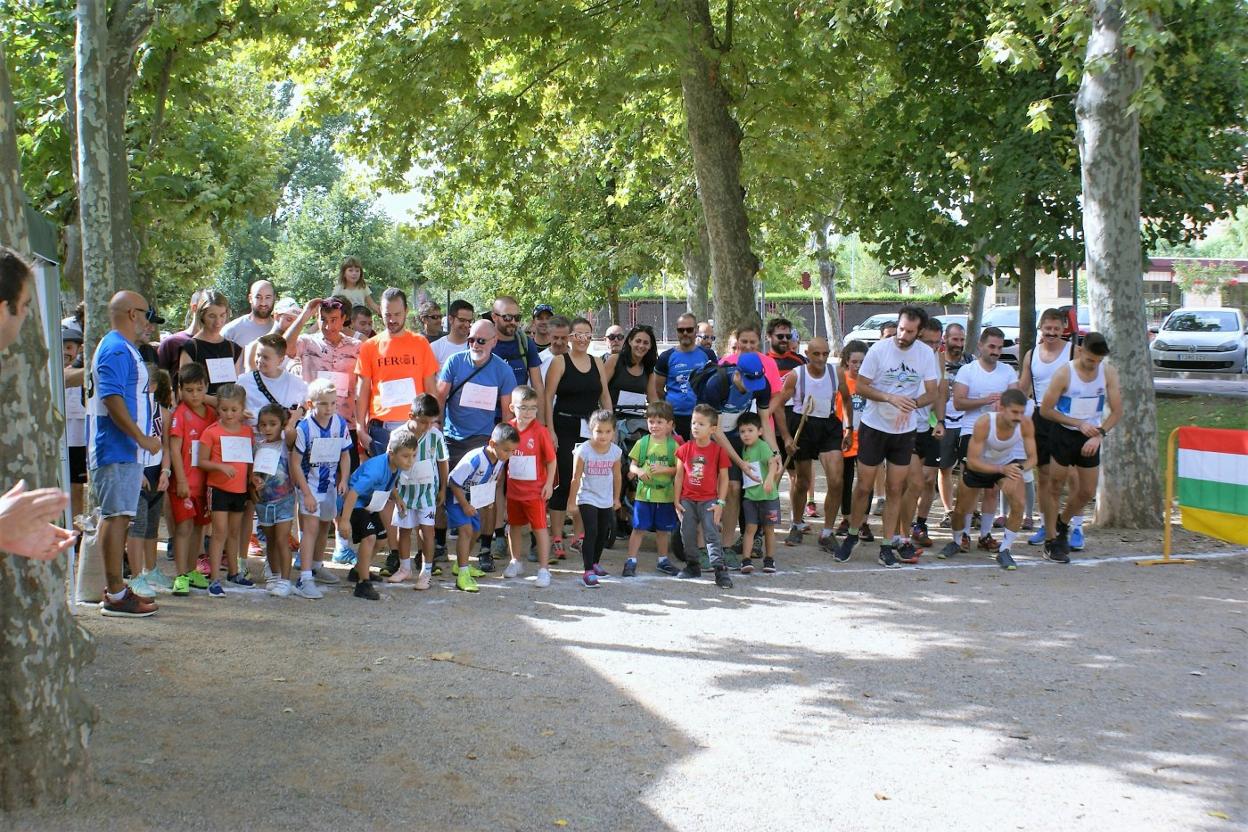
(955, 696)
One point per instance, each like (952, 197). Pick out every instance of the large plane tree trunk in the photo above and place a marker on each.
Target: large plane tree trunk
(715, 142)
(94, 171)
(696, 259)
(45, 723)
(1109, 152)
(1026, 303)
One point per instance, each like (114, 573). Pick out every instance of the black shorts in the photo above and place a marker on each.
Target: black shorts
(457, 449)
(876, 446)
(978, 479)
(927, 448)
(78, 464)
(228, 501)
(819, 436)
(735, 474)
(365, 524)
(1044, 437)
(682, 426)
(949, 447)
(964, 447)
(1066, 447)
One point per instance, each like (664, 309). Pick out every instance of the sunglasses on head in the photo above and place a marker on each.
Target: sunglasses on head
(330, 303)
(511, 319)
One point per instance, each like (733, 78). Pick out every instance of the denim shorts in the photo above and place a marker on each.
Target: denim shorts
(116, 488)
(146, 525)
(279, 511)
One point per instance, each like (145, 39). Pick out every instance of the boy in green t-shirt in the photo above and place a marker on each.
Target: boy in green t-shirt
(761, 504)
(652, 461)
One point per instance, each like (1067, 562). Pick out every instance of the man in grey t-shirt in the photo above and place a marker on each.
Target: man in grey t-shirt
(247, 328)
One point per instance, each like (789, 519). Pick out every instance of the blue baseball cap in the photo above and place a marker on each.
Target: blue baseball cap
(543, 307)
(751, 366)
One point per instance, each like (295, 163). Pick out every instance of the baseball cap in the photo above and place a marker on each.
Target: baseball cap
(543, 307)
(286, 306)
(69, 333)
(751, 366)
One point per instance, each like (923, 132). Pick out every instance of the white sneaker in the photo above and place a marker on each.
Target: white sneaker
(422, 580)
(273, 586)
(307, 589)
(140, 587)
(514, 569)
(268, 573)
(324, 576)
(283, 588)
(399, 577)
(158, 580)
(543, 578)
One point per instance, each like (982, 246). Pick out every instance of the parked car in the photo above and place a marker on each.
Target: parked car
(1213, 339)
(869, 330)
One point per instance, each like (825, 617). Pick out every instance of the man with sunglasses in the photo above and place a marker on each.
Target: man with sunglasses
(675, 366)
(331, 354)
(517, 349)
(706, 339)
(783, 346)
(431, 320)
(459, 319)
(119, 432)
(615, 339)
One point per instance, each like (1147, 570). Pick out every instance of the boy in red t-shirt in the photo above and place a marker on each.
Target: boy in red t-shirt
(701, 486)
(189, 505)
(530, 481)
(229, 437)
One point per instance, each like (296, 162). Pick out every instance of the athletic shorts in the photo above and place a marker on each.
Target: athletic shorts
(877, 446)
(964, 447)
(734, 472)
(78, 464)
(146, 525)
(1066, 447)
(819, 436)
(193, 508)
(1044, 438)
(927, 448)
(457, 448)
(116, 488)
(229, 501)
(949, 448)
(978, 479)
(278, 511)
(410, 518)
(326, 506)
(654, 517)
(455, 517)
(682, 427)
(762, 512)
(366, 524)
(531, 513)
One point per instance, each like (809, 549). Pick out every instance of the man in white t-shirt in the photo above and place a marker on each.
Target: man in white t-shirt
(559, 329)
(897, 378)
(460, 317)
(247, 328)
(977, 390)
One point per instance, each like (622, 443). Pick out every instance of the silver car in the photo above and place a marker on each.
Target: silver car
(1213, 339)
(869, 330)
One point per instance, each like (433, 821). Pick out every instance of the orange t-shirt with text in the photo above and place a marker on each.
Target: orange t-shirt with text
(390, 358)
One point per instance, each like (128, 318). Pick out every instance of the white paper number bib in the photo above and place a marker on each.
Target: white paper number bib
(522, 468)
(325, 450)
(397, 393)
(221, 370)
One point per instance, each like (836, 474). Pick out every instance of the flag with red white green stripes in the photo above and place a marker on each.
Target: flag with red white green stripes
(1213, 482)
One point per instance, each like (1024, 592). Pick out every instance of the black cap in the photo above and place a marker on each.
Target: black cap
(69, 333)
(543, 307)
(1095, 343)
(152, 317)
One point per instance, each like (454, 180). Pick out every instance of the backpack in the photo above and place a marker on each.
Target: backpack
(701, 377)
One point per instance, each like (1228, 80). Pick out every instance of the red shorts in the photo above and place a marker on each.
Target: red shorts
(531, 513)
(193, 508)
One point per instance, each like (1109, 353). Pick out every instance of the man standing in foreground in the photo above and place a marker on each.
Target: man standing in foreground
(391, 369)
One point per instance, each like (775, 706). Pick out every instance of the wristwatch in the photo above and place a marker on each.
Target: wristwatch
(1101, 431)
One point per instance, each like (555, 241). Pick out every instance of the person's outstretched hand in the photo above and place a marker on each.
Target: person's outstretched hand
(26, 527)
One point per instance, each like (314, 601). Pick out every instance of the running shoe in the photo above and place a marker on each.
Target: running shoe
(273, 586)
(254, 549)
(402, 574)
(950, 549)
(215, 590)
(182, 585)
(1076, 538)
(828, 543)
(556, 549)
(324, 576)
(747, 566)
(268, 573)
(878, 510)
(198, 579)
(422, 580)
(1056, 551)
(842, 528)
(599, 571)
(769, 566)
(998, 523)
(366, 590)
(794, 537)
(1006, 561)
(140, 587)
(630, 568)
(864, 533)
(988, 543)
(131, 606)
(811, 511)
(514, 569)
(159, 580)
(666, 567)
(919, 536)
(1028, 526)
(393, 564)
(964, 542)
(888, 559)
(1037, 539)
(578, 545)
(906, 553)
(472, 570)
(543, 579)
(306, 588)
(284, 588)
(732, 559)
(240, 578)
(589, 579)
(204, 566)
(846, 549)
(692, 570)
(485, 561)
(343, 553)
(499, 548)
(946, 522)
(704, 558)
(722, 579)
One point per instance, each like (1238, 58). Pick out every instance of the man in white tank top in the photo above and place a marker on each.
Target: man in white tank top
(1076, 400)
(1037, 369)
(1002, 448)
(813, 389)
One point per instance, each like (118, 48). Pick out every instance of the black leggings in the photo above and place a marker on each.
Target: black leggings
(847, 486)
(568, 434)
(597, 522)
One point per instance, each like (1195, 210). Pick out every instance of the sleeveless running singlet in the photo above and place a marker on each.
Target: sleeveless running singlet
(1084, 400)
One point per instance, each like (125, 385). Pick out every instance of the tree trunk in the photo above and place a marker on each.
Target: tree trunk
(715, 142)
(828, 269)
(45, 722)
(697, 263)
(94, 192)
(1109, 153)
(975, 314)
(1026, 264)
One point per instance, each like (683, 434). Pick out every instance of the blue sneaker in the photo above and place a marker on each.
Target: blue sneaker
(215, 590)
(589, 579)
(1037, 539)
(240, 579)
(1076, 538)
(344, 554)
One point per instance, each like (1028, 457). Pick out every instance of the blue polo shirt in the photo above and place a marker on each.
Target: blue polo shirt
(462, 422)
(677, 366)
(116, 370)
(374, 474)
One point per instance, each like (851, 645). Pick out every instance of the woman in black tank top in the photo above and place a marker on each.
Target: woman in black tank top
(208, 343)
(632, 371)
(576, 386)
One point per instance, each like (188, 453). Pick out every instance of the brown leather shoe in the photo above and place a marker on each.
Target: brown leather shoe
(130, 606)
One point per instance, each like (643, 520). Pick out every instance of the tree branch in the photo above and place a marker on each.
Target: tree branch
(162, 95)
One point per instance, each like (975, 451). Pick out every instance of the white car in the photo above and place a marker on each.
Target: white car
(1213, 339)
(868, 331)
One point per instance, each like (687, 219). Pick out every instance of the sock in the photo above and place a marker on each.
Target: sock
(405, 563)
(120, 596)
(1076, 522)
(896, 541)
(486, 539)
(985, 524)
(1007, 538)
(968, 522)
(427, 567)
(305, 575)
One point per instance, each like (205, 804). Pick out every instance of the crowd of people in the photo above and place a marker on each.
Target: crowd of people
(472, 438)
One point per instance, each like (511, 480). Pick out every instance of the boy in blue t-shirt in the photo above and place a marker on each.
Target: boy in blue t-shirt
(369, 491)
(474, 485)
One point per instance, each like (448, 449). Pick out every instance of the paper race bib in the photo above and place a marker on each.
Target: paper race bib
(266, 461)
(754, 476)
(482, 494)
(585, 429)
(325, 450)
(398, 393)
(522, 468)
(478, 396)
(342, 381)
(235, 449)
(1085, 407)
(728, 421)
(221, 370)
(422, 472)
(194, 452)
(378, 502)
(74, 408)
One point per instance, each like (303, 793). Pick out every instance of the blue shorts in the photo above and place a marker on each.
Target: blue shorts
(279, 511)
(116, 488)
(654, 517)
(455, 517)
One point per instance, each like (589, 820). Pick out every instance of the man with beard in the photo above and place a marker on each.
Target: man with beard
(706, 339)
(675, 366)
(247, 328)
(781, 340)
(517, 349)
(392, 369)
(955, 358)
(539, 324)
(459, 320)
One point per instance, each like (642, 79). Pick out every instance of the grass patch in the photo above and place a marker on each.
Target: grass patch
(1206, 411)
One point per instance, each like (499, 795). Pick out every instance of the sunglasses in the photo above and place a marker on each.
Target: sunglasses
(615, 337)
(707, 337)
(431, 317)
(511, 319)
(783, 336)
(330, 303)
(685, 330)
(481, 342)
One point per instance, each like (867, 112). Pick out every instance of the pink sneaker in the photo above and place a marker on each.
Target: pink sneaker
(599, 571)
(204, 566)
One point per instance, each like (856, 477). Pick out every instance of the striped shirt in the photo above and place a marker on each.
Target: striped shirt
(322, 478)
(430, 450)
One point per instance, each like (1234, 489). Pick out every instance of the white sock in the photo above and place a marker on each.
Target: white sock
(1076, 522)
(119, 596)
(966, 529)
(305, 575)
(405, 563)
(428, 567)
(985, 524)
(1007, 539)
